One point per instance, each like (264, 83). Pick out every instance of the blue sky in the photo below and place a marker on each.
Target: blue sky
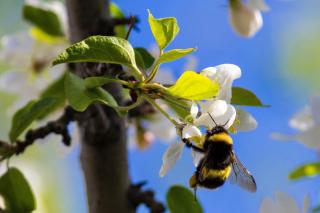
(205, 26)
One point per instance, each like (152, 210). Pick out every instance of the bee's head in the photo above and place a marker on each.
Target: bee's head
(216, 130)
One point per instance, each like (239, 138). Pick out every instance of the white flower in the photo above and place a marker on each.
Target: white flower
(174, 151)
(307, 122)
(225, 74)
(29, 61)
(217, 111)
(283, 203)
(246, 19)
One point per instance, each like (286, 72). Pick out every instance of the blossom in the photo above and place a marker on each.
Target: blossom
(246, 19)
(224, 74)
(283, 203)
(29, 59)
(307, 122)
(209, 114)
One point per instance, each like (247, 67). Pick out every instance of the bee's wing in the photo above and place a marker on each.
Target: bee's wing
(241, 176)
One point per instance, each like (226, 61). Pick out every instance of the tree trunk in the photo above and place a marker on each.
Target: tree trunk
(103, 148)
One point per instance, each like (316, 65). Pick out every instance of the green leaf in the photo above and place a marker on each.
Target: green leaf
(101, 49)
(55, 90)
(16, 192)
(174, 54)
(45, 19)
(182, 200)
(193, 86)
(180, 107)
(244, 97)
(81, 97)
(307, 170)
(115, 11)
(93, 82)
(23, 118)
(164, 30)
(316, 209)
(143, 58)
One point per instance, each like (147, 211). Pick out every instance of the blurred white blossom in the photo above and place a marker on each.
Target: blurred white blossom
(246, 18)
(307, 122)
(283, 203)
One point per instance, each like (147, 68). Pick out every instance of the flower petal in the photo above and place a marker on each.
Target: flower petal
(161, 127)
(309, 138)
(244, 20)
(196, 156)
(287, 203)
(225, 71)
(221, 113)
(194, 111)
(226, 74)
(306, 204)
(216, 107)
(170, 157)
(190, 131)
(315, 109)
(302, 120)
(209, 72)
(268, 206)
(258, 5)
(246, 121)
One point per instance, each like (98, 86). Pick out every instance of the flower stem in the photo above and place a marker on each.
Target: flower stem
(154, 70)
(134, 105)
(152, 102)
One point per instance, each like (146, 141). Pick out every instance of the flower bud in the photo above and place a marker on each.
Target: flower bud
(245, 20)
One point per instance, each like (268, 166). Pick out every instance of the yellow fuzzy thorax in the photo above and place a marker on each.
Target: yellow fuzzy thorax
(216, 173)
(225, 137)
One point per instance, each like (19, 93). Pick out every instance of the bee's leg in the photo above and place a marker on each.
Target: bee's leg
(190, 145)
(193, 182)
(195, 193)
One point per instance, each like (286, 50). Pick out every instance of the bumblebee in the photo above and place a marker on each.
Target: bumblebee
(219, 162)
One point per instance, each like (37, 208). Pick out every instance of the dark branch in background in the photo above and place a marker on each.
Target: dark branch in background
(137, 197)
(132, 20)
(60, 126)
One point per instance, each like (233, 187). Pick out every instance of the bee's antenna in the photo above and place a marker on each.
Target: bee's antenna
(195, 193)
(226, 122)
(212, 119)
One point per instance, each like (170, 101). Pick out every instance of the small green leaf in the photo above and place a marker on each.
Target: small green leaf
(93, 82)
(44, 19)
(55, 90)
(307, 170)
(81, 97)
(16, 192)
(180, 107)
(244, 97)
(143, 58)
(164, 30)
(316, 209)
(174, 54)
(193, 86)
(101, 49)
(115, 11)
(182, 200)
(23, 118)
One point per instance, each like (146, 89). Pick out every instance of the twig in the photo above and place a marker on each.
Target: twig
(60, 126)
(137, 197)
(124, 21)
(131, 25)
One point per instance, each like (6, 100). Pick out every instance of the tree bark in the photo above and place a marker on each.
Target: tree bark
(103, 148)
